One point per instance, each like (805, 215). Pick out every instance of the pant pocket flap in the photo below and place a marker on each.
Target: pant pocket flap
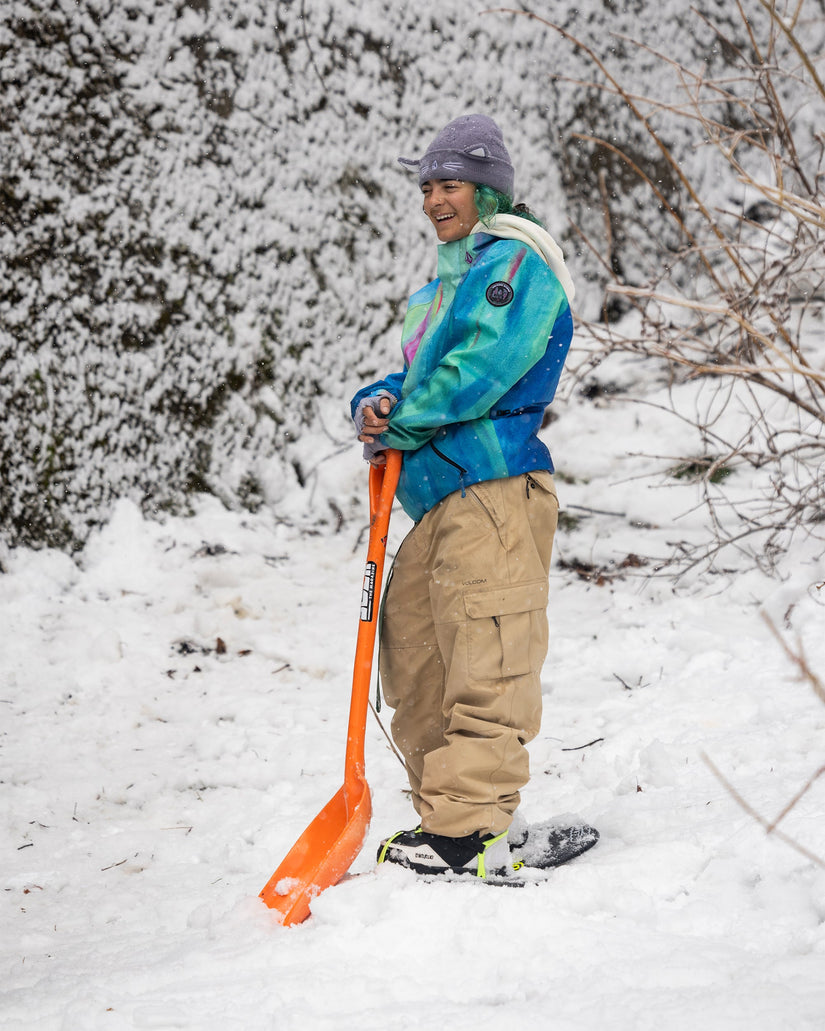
(502, 601)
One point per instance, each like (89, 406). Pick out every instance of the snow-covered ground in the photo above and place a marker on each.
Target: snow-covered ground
(173, 710)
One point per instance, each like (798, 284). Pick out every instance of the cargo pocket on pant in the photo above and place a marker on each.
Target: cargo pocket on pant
(507, 630)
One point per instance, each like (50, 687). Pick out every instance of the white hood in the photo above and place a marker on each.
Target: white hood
(514, 227)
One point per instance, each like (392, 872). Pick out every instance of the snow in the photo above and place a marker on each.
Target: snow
(174, 709)
(173, 699)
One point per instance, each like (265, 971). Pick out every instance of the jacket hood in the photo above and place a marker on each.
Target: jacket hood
(513, 227)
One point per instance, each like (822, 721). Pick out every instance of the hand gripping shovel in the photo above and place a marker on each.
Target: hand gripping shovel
(327, 848)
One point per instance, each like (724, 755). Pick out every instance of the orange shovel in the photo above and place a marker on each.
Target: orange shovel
(327, 848)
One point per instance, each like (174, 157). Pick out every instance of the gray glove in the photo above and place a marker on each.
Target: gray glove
(376, 447)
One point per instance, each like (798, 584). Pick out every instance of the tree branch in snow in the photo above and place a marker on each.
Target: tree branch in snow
(797, 657)
(767, 824)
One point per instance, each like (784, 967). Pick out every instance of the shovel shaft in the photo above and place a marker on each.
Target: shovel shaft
(383, 482)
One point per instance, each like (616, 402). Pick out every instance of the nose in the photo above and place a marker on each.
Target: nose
(437, 197)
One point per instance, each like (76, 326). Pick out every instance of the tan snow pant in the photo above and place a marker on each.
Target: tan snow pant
(463, 640)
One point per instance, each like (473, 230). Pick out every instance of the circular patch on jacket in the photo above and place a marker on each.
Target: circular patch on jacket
(499, 294)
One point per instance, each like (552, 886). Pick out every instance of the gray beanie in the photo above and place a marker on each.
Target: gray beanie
(470, 148)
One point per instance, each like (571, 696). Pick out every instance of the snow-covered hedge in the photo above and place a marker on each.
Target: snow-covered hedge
(205, 238)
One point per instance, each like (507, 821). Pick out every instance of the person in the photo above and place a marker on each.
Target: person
(464, 632)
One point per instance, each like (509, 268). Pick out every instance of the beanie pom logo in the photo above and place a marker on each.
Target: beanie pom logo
(499, 294)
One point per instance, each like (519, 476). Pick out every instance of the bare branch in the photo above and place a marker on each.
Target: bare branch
(799, 660)
(769, 828)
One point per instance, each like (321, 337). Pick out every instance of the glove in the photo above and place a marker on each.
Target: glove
(376, 447)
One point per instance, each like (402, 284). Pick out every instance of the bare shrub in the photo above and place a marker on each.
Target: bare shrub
(729, 284)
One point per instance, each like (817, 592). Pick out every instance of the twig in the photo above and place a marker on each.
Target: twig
(578, 748)
(726, 312)
(624, 683)
(113, 865)
(598, 511)
(802, 54)
(758, 816)
(806, 673)
(799, 795)
(799, 660)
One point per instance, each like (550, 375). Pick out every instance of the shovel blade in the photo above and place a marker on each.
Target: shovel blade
(322, 854)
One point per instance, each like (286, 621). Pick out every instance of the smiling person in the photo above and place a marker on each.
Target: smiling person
(464, 632)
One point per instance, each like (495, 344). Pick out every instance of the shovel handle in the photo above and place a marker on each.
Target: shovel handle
(383, 483)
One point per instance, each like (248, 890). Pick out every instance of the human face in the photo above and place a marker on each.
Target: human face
(451, 207)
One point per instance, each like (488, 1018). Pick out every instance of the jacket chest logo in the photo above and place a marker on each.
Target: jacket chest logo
(499, 294)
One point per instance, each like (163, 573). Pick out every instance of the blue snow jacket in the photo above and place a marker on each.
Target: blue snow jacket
(484, 345)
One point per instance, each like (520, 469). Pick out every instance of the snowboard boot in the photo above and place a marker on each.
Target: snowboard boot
(480, 855)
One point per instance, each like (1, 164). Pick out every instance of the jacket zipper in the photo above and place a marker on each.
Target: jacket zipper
(505, 413)
(455, 465)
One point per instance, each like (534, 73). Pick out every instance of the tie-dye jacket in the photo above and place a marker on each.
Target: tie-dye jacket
(484, 345)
